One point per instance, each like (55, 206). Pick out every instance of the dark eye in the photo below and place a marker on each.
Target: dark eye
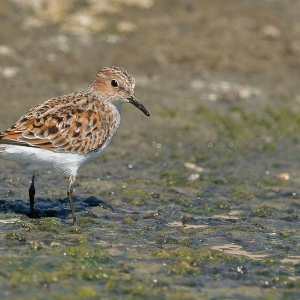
(114, 83)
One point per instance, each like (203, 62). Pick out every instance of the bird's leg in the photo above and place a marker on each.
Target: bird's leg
(31, 195)
(70, 197)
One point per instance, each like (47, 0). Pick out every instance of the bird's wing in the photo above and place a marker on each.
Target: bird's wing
(65, 130)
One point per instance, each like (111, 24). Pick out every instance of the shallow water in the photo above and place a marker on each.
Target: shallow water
(199, 201)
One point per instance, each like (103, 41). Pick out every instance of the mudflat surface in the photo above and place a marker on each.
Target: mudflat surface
(199, 201)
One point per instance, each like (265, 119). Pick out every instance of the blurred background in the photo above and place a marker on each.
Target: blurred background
(193, 61)
(221, 81)
(246, 52)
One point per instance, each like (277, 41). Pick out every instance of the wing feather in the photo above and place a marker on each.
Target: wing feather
(64, 130)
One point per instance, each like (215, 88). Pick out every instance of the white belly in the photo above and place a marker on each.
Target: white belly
(35, 159)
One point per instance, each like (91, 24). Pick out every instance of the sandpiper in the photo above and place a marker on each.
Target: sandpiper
(65, 132)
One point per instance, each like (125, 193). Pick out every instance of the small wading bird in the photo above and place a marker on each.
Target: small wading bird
(65, 132)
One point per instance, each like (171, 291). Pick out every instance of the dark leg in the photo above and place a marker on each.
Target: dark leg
(70, 197)
(31, 195)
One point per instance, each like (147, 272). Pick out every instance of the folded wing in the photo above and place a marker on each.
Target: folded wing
(66, 130)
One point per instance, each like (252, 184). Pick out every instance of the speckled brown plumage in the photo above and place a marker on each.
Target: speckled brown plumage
(81, 126)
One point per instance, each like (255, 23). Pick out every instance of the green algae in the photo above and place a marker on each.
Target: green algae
(188, 261)
(71, 262)
(272, 261)
(50, 224)
(80, 240)
(173, 177)
(242, 192)
(260, 211)
(134, 195)
(223, 206)
(15, 237)
(183, 268)
(249, 125)
(203, 210)
(128, 220)
(198, 257)
(87, 292)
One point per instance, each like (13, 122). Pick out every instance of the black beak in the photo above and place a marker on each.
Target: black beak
(133, 100)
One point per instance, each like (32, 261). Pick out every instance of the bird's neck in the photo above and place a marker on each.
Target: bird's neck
(119, 107)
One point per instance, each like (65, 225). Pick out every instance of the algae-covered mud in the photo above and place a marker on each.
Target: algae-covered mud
(199, 201)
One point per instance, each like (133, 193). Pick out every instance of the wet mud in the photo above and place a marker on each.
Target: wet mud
(199, 201)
